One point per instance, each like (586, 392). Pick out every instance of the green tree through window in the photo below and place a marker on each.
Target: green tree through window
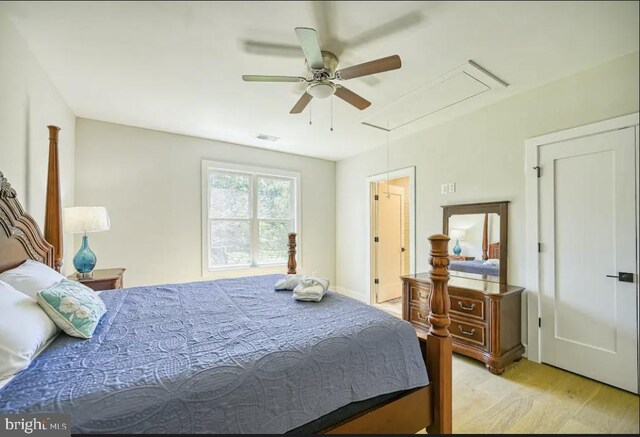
(250, 215)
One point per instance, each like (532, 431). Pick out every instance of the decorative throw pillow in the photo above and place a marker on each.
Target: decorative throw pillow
(75, 308)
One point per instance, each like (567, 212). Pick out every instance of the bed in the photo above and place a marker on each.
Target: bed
(476, 266)
(231, 356)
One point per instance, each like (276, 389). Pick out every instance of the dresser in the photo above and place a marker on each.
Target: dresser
(485, 317)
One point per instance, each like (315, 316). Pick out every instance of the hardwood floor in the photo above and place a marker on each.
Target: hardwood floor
(393, 307)
(537, 398)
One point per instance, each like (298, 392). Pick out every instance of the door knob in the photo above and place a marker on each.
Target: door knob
(622, 277)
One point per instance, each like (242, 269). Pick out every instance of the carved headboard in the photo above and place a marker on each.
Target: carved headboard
(20, 236)
(494, 250)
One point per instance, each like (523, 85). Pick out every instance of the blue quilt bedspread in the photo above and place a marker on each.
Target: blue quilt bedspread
(475, 266)
(226, 356)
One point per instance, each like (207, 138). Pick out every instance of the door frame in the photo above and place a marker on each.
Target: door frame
(381, 233)
(532, 260)
(409, 172)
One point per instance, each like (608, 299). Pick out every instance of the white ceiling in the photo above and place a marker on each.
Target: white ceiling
(176, 66)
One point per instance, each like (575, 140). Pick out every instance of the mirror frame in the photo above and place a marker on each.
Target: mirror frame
(500, 208)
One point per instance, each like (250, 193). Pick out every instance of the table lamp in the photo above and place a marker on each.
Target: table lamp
(83, 219)
(457, 234)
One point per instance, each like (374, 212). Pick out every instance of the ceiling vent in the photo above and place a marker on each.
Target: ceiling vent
(267, 137)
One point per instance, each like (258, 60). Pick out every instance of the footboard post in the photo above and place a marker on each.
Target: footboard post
(291, 264)
(439, 350)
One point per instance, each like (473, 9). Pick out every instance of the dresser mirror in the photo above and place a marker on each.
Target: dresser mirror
(478, 246)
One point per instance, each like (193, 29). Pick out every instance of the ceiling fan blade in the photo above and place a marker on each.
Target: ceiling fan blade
(259, 78)
(301, 104)
(352, 98)
(324, 13)
(371, 67)
(385, 30)
(271, 49)
(310, 46)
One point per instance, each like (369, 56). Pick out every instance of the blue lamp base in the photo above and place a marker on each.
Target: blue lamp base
(85, 260)
(457, 249)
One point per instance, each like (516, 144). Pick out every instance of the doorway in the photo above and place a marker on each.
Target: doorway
(587, 261)
(391, 237)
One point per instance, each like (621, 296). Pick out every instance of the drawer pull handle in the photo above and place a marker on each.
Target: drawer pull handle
(422, 295)
(473, 331)
(466, 308)
(423, 318)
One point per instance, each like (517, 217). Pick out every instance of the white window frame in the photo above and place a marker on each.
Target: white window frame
(227, 167)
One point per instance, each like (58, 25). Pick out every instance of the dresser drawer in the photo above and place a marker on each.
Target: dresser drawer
(470, 333)
(419, 316)
(419, 294)
(468, 307)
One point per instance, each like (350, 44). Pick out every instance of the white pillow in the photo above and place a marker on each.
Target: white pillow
(489, 262)
(24, 329)
(31, 277)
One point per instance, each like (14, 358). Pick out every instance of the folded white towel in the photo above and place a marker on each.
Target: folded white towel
(289, 282)
(323, 282)
(309, 294)
(311, 289)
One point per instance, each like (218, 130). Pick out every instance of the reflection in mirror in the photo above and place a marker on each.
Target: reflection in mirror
(475, 243)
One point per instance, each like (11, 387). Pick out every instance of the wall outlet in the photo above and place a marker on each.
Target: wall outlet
(443, 189)
(452, 187)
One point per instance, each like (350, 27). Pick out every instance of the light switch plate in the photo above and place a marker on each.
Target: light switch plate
(443, 189)
(452, 187)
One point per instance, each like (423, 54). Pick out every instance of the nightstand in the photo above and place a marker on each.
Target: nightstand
(102, 279)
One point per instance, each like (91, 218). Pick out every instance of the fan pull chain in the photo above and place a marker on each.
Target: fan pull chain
(310, 105)
(331, 113)
(388, 176)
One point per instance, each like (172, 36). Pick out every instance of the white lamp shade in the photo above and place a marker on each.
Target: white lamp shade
(79, 219)
(457, 234)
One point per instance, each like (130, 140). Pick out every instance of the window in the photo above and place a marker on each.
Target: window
(249, 212)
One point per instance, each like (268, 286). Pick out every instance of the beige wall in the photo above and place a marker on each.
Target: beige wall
(28, 103)
(483, 152)
(150, 182)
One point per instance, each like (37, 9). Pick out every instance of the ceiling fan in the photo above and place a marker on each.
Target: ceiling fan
(322, 69)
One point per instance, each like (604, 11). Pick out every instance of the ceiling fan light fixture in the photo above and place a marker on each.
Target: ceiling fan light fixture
(321, 90)
(322, 70)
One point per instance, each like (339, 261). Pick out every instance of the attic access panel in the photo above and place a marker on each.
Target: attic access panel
(452, 88)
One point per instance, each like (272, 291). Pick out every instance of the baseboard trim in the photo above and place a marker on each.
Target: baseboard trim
(352, 294)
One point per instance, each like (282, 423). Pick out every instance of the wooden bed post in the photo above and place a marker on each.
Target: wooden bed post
(439, 348)
(485, 237)
(291, 264)
(53, 212)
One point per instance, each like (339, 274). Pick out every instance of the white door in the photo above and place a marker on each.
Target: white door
(588, 234)
(388, 249)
